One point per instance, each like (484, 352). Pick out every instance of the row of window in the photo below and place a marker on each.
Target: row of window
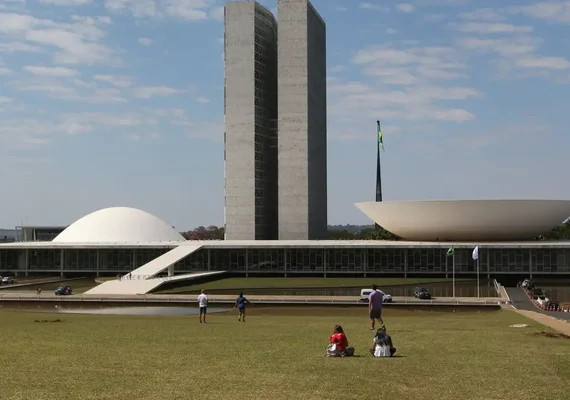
(396, 260)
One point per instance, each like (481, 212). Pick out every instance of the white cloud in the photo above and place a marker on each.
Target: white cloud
(5, 71)
(544, 62)
(202, 100)
(138, 8)
(434, 17)
(74, 90)
(337, 68)
(125, 119)
(482, 14)
(410, 66)
(400, 84)
(146, 92)
(406, 8)
(73, 42)
(184, 9)
(370, 6)
(217, 14)
(555, 11)
(145, 41)
(66, 2)
(115, 80)
(391, 31)
(19, 47)
(4, 100)
(50, 71)
(490, 28)
(517, 52)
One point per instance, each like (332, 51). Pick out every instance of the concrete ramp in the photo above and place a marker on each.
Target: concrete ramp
(142, 280)
(168, 259)
(143, 286)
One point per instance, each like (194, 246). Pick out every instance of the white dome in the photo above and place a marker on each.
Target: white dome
(119, 225)
(468, 220)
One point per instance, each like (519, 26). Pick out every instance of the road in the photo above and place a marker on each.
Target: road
(522, 302)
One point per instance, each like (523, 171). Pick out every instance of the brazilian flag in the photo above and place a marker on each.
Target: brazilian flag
(451, 251)
(380, 140)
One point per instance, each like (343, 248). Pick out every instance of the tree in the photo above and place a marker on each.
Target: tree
(561, 232)
(201, 233)
(365, 234)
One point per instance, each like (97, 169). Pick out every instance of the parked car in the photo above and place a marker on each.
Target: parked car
(63, 290)
(525, 283)
(422, 293)
(7, 280)
(542, 300)
(365, 294)
(553, 305)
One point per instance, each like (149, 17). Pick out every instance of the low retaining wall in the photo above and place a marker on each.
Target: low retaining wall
(226, 300)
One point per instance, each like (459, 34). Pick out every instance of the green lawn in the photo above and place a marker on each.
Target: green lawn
(297, 283)
(278, 354)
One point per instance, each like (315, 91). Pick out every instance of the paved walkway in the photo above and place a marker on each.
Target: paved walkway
(562, 326)
(522, 302)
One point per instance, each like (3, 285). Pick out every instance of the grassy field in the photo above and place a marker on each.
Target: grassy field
(278, 354)
(297, 283)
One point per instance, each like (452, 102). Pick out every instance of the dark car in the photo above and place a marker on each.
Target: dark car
(422, 293)
(552, 305)
(63, 291)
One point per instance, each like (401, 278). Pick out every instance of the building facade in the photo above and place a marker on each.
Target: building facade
(250, 109)
(373, 258)
(302, 126)
(275, 143)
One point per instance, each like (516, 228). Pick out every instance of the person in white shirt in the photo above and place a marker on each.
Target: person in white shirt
(203, 303)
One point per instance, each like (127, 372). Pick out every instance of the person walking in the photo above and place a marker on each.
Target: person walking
(241, 302)
(203, 303)
(375, 301)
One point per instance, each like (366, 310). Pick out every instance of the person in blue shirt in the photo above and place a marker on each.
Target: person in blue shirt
(241, 302)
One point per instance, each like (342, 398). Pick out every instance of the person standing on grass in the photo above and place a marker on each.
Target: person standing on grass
(203, 303)
(375, 301)
(241, 302)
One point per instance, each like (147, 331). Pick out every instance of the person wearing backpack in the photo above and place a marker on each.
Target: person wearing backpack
(382, 344)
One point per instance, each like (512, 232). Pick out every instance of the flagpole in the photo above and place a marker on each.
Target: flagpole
(378, 171)
(453, 273)
(478, 268)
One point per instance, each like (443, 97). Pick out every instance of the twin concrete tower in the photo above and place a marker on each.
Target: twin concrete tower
(275, 106)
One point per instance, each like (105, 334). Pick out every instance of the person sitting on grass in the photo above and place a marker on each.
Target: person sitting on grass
(382, 344)
(338, 346)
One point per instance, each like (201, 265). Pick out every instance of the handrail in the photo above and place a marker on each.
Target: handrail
(497, 287)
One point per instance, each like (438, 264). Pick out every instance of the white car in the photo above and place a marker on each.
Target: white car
(365, 294)
(525, 283)
(542, 300)
(7, 280)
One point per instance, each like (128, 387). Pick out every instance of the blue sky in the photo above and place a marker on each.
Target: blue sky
(120, 102)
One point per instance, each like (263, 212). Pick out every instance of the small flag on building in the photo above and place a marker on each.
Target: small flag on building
(380, 140)
(450, 251)
(476, 253)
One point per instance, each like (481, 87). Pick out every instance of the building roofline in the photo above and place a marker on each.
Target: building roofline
(282, 244)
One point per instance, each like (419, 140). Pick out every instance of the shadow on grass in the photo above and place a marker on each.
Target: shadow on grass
(553, 335)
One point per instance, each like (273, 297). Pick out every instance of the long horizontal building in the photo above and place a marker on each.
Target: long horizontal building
(121, 240)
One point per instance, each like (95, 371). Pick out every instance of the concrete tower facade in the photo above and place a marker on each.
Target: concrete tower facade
(250, 108)
(302, 125)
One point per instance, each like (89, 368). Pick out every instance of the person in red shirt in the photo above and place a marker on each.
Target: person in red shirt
(339, 339)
